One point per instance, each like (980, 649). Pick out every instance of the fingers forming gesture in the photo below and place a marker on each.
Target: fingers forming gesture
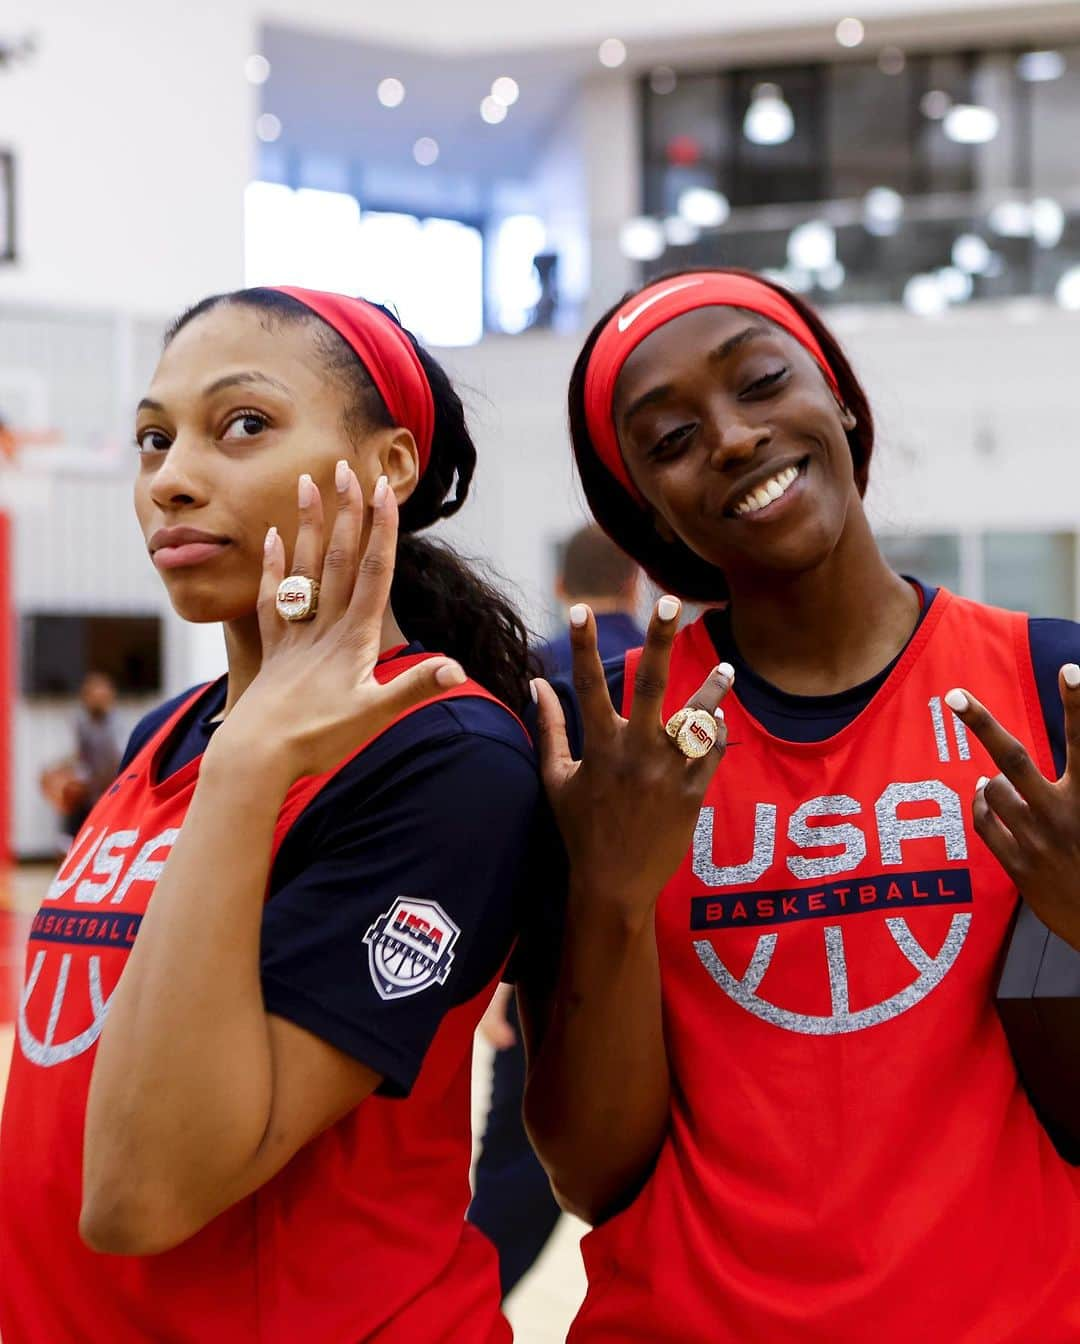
(628, 808)
(1029, 823)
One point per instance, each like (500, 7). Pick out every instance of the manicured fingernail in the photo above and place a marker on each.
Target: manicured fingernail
(726, 671)
(1071, 673)
(305, 491)
(981, 783)
(578, 616)
(450, 674)
(381, 486)
(271, 538)
(957, 700)
(534, 693)
(341, 476)
(667, 608)
(718, 714)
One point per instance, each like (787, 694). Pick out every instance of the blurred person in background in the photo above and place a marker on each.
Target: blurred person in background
(72, 786)
(298, 896)
(765, 1060)
(513, 1203)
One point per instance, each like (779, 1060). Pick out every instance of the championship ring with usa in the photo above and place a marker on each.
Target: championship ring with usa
(297, 598)
(693, 731)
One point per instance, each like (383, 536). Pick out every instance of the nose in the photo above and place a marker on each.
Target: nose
(178, 481)
(735, 442)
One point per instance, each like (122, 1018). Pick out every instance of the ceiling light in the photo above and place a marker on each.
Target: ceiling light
(1047, 221)
(891, 61)
(1039, 67)
(425, 151)
(812, 246)
(924, 296)
(832, 276)
(642, 239)
(663, 80)
(505, 90)
(935, 104)
(679, 232)
(850, 32)
(268, 128)
(971, 124)
(971, 253)
(883, 208)
(955, 284)
(257, 69)
(612, 52)
(703, 207)
(1011, 219)
(391, 92)
(1067, 292)
(492, 110)
(769, 120)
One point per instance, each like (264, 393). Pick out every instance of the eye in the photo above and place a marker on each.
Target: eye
(765, 382)
(246, 425)
(152, 441)
(672, 441)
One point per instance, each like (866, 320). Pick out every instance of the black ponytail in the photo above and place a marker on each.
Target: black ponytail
(672, 565)
(438, 598)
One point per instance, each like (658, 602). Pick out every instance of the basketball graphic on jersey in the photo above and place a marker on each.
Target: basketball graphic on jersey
(411, 947)
(840, 916)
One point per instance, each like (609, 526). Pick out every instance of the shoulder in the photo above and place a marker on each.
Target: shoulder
(151, 723)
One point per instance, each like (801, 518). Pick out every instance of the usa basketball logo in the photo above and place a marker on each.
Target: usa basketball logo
(411, 947)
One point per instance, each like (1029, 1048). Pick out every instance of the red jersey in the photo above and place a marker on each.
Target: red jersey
(361, 1236)
(851, 1156)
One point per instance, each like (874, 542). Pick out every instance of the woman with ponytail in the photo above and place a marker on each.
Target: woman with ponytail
(767, 1064)
(296, 899)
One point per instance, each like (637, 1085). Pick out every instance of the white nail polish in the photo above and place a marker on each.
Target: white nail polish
(579, 614)
(381, 486)
(981, 783)
(534, 693)
(305, 491)
(1071, 673)
(271, 538)
(726, 671)
(667, 608)
(957, 700)
(341, 476)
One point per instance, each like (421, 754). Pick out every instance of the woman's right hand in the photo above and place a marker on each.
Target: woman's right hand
(627, 810)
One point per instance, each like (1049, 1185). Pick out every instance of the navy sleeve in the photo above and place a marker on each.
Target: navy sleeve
(1053, 642)
(396, 895)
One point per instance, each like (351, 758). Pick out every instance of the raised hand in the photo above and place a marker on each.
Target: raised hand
(628, 808)
(1029, 823)
(315, 698)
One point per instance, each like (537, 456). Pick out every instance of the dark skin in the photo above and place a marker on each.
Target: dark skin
(709, 408)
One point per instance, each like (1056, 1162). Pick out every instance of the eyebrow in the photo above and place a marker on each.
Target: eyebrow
(722, 352)
(248, 379)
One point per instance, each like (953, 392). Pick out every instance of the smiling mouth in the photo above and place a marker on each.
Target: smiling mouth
(768, 492)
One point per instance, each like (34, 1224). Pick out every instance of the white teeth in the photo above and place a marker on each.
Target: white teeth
(765, 494)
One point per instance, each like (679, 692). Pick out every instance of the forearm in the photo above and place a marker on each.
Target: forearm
(598, 1095)
(182, 1086)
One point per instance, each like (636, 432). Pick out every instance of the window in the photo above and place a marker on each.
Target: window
(430, 271)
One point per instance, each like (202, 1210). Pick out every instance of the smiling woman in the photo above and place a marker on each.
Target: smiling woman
(764, 1054)
(295, 901)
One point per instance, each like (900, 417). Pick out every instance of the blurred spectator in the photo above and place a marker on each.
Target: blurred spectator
(513, 1204)
(74, 785)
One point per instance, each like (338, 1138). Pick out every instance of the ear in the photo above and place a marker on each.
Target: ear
(399, 460)
(847, 418)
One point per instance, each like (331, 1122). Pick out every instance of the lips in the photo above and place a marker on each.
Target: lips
(178, 547)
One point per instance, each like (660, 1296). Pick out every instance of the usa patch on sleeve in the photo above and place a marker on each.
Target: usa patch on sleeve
(411, 947)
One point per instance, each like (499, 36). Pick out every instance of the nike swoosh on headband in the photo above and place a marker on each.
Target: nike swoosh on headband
(625, 319)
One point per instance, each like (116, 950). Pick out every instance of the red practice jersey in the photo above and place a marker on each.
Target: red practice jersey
(361, 1236)
(851, 1156)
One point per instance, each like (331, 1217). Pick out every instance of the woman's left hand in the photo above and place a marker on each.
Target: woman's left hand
(1029, 823)
(315, 699)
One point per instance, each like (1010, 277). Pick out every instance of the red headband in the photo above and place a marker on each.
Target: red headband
(656, 305)
(387, 354)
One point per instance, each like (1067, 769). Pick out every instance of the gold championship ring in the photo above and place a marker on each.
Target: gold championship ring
(694, 732)
(297, 598)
